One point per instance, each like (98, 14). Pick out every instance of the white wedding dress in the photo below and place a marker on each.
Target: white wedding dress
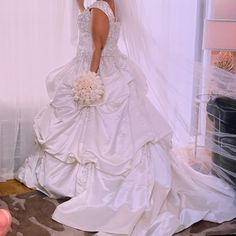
(113, 159)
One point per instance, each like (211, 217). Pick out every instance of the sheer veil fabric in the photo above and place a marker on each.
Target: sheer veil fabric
(160, 32)
(175, 81)
(113, 160)
(147, 26)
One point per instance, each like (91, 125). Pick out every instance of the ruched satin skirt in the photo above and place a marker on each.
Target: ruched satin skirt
(113, 160)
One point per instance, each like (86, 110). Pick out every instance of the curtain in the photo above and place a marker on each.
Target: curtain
(36, 37)
(34, 40)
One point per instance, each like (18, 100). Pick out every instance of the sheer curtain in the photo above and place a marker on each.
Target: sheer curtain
(36, 37)
(34, 40)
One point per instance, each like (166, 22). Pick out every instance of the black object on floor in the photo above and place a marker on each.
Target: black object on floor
(222, 112)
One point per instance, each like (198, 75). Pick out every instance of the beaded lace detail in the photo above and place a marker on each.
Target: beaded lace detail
(104, 6)
(85, 41)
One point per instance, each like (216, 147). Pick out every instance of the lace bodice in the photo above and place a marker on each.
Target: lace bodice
(85, 40)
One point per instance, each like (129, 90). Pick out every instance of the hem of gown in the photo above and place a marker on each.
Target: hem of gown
(70, 224)
(204, 217)
(40, 188)
(210, 216)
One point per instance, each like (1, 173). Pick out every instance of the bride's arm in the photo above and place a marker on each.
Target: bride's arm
(100, 30)
(81, 5)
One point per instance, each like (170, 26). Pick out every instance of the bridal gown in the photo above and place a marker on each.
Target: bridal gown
(113, 159)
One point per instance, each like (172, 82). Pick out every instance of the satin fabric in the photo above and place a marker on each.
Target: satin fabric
(113, 159)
